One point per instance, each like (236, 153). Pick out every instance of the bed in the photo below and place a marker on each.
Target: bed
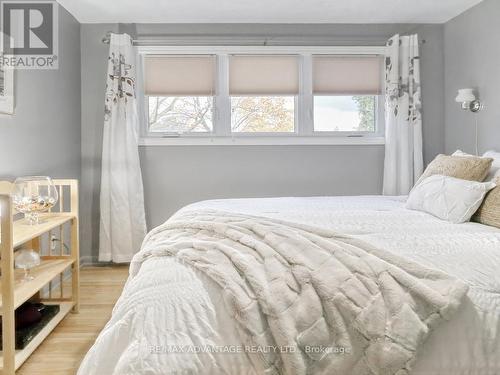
(154, 310)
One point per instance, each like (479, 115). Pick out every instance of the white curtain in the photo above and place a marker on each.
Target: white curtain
(123, 224)
(403, 121)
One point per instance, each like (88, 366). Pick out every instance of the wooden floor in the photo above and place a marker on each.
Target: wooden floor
(62, 352)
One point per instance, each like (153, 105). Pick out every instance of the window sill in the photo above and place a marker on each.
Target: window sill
(260, 141)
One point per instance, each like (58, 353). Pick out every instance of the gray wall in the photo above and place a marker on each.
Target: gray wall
(472, 59)
(177, 175)
(43, 136)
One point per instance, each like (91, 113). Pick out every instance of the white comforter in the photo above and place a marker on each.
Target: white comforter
(148, 329)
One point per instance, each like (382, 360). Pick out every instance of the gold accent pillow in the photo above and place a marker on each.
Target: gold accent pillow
(489, 211)
(466, 168)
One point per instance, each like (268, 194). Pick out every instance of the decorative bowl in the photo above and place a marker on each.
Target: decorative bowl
(32, 195)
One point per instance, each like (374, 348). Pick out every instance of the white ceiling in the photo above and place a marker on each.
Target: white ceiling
(266, 11)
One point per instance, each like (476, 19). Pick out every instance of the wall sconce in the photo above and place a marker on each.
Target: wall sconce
(469, 101)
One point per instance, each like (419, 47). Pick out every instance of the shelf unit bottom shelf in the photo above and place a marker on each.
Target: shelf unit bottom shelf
(22, 355)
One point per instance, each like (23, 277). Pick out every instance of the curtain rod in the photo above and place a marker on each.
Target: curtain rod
(215, 40)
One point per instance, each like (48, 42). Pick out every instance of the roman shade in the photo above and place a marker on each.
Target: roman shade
(263, 75)
(179, 75)
(347, 75)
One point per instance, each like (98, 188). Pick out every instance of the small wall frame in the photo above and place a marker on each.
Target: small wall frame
(6, 90)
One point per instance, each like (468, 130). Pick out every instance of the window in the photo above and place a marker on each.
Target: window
(263, 90)
(345, 90)
(263, 95)
(262, 114)
(180, 93)
(181, 114)
(344, 113)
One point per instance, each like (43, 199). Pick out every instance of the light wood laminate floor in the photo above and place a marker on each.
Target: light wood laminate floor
(62, 352)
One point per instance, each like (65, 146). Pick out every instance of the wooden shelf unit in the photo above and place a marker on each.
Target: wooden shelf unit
(56, 262)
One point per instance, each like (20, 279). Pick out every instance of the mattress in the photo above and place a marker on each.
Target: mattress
(145, 324)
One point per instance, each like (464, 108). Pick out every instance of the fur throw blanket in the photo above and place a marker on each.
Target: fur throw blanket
(326, 303)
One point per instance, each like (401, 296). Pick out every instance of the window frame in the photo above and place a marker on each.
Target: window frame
(304, 102)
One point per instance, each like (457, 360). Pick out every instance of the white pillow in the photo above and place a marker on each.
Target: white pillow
(463, 154)
(495, 167)
(448, 198)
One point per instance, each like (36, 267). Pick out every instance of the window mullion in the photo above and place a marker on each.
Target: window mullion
(222, 124)
(380, 115)
(305, 102)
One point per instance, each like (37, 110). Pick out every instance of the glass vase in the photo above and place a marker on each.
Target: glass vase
(33, 195)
